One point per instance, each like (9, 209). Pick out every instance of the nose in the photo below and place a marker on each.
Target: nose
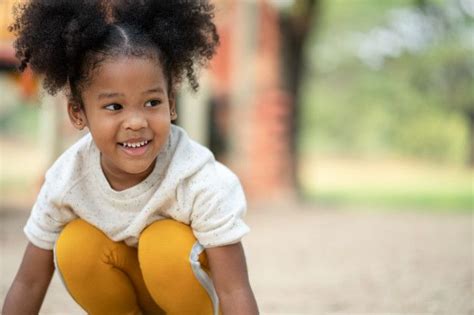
(135, 120)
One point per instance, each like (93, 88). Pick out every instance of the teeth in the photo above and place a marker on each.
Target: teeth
(134, 145)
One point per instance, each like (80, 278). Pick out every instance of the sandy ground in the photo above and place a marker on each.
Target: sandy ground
(305, 260)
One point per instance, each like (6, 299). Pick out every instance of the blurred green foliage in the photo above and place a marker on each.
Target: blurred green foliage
(20, 121)
(19, 117)
(413, 104)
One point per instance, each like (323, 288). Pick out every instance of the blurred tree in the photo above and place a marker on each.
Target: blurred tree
(392, 78)
(297, 21)
(451, 78)
(451, 74)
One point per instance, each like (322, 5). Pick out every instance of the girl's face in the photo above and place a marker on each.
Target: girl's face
(128, 112)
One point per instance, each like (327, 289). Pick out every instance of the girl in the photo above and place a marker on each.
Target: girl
(136, 217)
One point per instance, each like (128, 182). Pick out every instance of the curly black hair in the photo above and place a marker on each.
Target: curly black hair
(64, 40)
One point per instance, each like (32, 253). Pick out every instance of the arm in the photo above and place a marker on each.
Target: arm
(229, 273)
(27, 291)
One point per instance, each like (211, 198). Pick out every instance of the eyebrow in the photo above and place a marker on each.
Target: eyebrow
(109, 95)
(114, 94)
(154, 90)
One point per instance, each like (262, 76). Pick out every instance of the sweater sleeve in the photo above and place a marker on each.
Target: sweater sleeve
(50, 214)
(47, 218)
(216, 202)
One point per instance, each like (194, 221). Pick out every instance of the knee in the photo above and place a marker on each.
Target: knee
(77, 247)
(175, 269)
(165, 247)
(165, 239)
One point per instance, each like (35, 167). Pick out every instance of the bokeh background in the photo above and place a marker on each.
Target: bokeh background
(351, 126)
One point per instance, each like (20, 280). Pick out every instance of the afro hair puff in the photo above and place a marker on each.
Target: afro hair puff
(56, 38)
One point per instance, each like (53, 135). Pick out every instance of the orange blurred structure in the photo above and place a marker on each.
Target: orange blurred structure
(246, 79)
(7, 53)
(8, 62)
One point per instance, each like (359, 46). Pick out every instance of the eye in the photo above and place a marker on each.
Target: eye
(113, 107)
(152, 103)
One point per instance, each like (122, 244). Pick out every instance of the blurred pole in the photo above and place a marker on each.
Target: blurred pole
(50, 128)
(243, 79)
(193, 111)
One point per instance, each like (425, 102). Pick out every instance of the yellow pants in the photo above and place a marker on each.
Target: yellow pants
(167, 274)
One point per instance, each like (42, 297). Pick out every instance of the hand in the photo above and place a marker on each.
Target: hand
(27, 292)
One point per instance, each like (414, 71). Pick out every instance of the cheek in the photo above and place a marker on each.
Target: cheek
(102, 128)
(161, 120)
(161, 127)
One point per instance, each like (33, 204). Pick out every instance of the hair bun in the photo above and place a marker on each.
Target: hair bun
(71, 36)
(183, 29)
(50, 34)
(55, 36)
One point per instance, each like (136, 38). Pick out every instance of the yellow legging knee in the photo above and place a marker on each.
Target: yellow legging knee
(167, 274)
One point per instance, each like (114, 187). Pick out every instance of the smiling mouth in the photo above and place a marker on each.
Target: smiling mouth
(133, 145)
(135, 148)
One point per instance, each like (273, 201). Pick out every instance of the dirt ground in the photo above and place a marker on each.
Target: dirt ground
(307, 260)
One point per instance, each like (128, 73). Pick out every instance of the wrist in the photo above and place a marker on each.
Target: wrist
(238, 302)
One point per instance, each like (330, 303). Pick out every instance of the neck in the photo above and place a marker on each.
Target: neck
(119, 180)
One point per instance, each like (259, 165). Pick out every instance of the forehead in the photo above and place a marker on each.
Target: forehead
(123, 73)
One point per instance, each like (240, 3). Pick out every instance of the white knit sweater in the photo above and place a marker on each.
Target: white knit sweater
(187, 185)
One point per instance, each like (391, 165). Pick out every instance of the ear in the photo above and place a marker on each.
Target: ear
(76, 115)
(172, 102)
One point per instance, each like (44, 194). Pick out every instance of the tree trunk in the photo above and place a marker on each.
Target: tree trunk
(470, 121)
(295, 28)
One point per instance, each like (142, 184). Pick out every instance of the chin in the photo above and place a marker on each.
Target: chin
(140, 169)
